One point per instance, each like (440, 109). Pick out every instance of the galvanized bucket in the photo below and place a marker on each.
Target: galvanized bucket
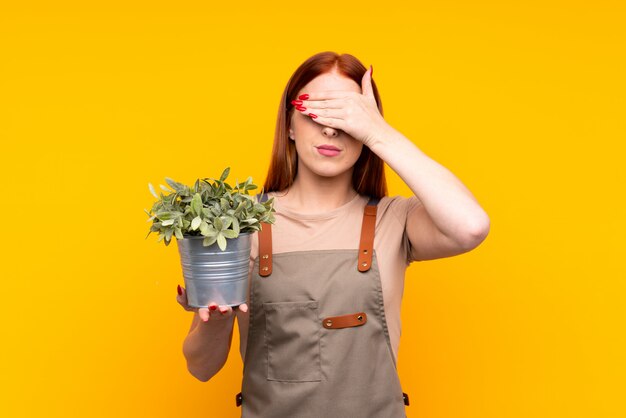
(213, 275)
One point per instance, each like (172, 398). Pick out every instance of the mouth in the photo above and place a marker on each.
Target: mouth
(328, 147)
(328, 150)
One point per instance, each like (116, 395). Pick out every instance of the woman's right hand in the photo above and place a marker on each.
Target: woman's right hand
(213, 312)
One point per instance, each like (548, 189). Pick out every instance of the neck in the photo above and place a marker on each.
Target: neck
(311, 193)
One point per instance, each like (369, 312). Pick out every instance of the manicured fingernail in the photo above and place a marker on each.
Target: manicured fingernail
(301, 108)
(303, 96)
(223, 311)
(179, 290)
(213, 307)
(371, 71)
(296, 102)
(312, 115)
(205, 319)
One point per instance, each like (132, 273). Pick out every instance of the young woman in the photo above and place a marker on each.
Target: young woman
(320, 331)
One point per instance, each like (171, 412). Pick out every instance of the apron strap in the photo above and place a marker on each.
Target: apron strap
(265, 245)
(366, 245)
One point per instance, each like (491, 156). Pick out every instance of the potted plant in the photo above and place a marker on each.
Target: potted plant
(213, 224)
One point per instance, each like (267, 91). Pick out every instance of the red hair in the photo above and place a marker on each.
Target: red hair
(368, 177)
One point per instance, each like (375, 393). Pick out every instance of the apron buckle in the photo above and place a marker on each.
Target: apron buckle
(406, 398)
(238, 399)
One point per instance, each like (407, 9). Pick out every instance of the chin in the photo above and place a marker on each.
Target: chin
(329, 171)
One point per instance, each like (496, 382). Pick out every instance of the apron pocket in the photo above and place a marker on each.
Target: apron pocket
(292, 339)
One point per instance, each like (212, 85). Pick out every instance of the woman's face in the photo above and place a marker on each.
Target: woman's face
(308, 135)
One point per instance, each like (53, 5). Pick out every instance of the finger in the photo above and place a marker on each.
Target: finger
(322, 104)
(366, 83)
(243, 307)
(212, 308)
(325, 112)
(225, 310)
(332, 122)
(324, 95)
(182, 299)
(203, 313)
(183, 296)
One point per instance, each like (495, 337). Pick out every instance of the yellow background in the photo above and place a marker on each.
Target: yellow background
(523, 101)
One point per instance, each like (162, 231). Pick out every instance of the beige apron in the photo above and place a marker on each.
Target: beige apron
(318, 344)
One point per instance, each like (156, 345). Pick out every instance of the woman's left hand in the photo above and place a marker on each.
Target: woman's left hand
(354, 113)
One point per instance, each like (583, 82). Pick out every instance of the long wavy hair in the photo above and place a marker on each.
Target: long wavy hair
(368, 177)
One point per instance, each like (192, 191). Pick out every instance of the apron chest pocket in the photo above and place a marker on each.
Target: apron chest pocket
(292, 339)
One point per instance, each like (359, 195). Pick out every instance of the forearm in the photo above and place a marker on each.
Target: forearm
(448, 202)
(207, 345)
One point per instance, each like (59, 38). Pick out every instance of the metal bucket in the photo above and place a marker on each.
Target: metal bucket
(213, 275)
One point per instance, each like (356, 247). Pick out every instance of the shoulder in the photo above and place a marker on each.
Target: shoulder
(398, 206)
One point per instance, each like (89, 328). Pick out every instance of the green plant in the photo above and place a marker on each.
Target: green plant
(214, 210)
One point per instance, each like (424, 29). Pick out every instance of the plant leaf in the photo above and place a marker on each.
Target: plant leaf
(195, 223)
(208, 241)
(165, 215)
(174, 185)
(204, 227)
(239, 208)
(196, 204)
(225, 174)
(211, 231)
(151, 187)
(221, 241)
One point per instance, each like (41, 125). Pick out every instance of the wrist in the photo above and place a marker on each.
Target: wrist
(383, 139)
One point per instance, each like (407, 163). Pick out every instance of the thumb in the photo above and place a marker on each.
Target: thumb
(366, 84)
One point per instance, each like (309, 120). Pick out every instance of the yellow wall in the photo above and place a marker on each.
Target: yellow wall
(523, 101)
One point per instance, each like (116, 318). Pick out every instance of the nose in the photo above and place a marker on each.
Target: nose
(330, 132)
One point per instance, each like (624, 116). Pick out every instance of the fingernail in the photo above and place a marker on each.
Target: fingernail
(301, 108)
(213, 307)
(205, 319)
(303, 96)
(296, 102)
(312, 115)
(223, 311)
(179, 290)
(371, 71)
